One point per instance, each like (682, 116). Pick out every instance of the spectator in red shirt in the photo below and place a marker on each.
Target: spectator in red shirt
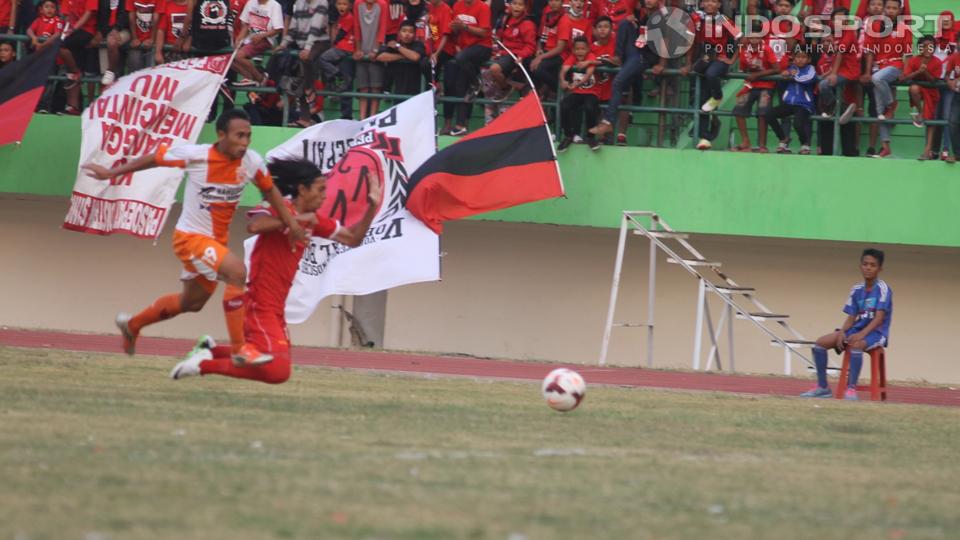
(78, 33)
(48, 26)
(519, 35)
(577, 80)
(8, 16)
(925, 67)
(555, 34)
(170, 30)
(442, 48)
(617, 10)
(885, 51)
(757, 60)
(331, 60)
(471, 28)
(580, 24)
(604, 48)
(844, 69)
(141, 14)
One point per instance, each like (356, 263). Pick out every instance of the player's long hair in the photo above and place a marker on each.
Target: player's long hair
(289, 174)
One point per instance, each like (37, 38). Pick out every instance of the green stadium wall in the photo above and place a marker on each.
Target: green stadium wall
(780, 196)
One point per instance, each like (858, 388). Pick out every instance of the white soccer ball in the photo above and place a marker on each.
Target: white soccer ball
(563, 389)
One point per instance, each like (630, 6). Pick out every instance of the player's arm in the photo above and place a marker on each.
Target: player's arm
(147, 161)
(353, 235)
(297, 234)
(877, 321)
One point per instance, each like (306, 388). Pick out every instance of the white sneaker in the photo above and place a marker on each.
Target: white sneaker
(704, 145)
(711, 105)
(577, 139)
(848, 114)
(190, 367)
(917, 119)
(108, 78)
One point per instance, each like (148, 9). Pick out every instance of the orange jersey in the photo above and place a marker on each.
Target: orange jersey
(214, 185)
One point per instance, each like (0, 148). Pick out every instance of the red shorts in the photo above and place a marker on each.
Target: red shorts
(255, 48)
(931, 99)
(267, 331)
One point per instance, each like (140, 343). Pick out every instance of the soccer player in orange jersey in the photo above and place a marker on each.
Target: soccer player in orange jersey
(216, 176)
(272, 269)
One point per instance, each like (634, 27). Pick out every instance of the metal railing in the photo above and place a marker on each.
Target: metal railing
(677, 110)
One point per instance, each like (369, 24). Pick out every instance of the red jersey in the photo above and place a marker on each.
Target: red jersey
(590, 85)
(74, 9)
(715, 34)
(580, 27)
(143, 17)
(617, 10)
(604, 51)
(554, 26)
(889, 50)
(756, 59)
(951, 68)
(934, 68)
(170, 24)
(396, 13)
(5, 7)
(848, 47)
(273, 265)
(344, 39)
(440, 17)
(476, 13)
(46, 26)
(826, 7)
(519, 36)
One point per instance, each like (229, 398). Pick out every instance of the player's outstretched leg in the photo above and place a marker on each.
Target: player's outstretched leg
(163, 308)
(221, 363)
(190, 366)
(233, 272)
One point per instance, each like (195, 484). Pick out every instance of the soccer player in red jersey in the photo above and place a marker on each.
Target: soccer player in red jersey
(272, 269)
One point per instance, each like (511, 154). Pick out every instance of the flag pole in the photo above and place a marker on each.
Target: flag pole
(546, 125)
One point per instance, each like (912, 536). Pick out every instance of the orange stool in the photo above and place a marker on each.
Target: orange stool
(878, 375)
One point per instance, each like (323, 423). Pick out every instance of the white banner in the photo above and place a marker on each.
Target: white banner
(166, 104)
(398, 249)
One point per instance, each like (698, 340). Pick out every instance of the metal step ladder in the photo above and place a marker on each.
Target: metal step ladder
(740, 302)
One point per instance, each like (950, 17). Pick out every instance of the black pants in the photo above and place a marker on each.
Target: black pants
(711, 87)
(954, 125)
(801, 121)
(570, 109)
(467, 65)
(548, 73)
(848, 139)
(448, 70)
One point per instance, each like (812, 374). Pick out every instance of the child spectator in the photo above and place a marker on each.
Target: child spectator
(471, 29)
(8, 54)
(925, 67)
(711, 57)
(141, 14)
(78, 32)
(265, 109)
(604, 48)
(262, 20)
(580, 24)
(784, 27)
(757, 60)
(47, 27)
(170, 30)
(403, 60)
(343, 47)
(519, 35)
(946, 37)
(869, 311)
(953, 121)
(396, 13)
(555, 35)
(113, 24)
(43, 32)
(307, 33)
(885, 51)
(370, 23)
(576, 78)
(797, 101)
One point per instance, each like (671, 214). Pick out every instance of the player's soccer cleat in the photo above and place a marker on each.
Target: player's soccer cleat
(204, 342)
(250, 356)
(711, 105)
(190, 366)
(851, 395)
(129, 338)
(817, 392)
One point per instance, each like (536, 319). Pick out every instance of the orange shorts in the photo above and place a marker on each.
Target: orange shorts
(201, 257)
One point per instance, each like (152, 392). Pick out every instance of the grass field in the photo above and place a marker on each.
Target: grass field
(105, 447)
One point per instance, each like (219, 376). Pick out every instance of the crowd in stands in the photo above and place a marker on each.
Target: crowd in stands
(592, 55)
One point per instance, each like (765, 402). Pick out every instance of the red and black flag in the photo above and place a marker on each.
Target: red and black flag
(21, 85)
(509, 162)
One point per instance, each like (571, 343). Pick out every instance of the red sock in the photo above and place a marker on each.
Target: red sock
(274, 372)
(163, 308)
(233, 311)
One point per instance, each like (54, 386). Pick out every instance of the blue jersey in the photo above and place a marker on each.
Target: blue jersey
(864, 304)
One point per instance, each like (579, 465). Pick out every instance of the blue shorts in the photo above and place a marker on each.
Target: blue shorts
(874, 339)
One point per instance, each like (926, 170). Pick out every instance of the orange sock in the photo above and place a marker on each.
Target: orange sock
(233, 311)
(165, 307)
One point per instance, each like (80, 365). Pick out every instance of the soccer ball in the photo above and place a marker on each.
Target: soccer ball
(563, 389)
